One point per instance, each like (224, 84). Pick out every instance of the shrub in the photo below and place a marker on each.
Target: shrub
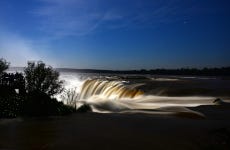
(41, 78)
(32, 95)
(10, 102)
(3, 65)
(40, 104)
(69, 97)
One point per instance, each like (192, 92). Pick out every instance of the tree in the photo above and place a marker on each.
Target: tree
(3, 65)
(42, 78)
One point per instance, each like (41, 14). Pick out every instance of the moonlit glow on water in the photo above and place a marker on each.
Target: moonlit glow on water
(109, 96)
(71, 81)
(164, 79)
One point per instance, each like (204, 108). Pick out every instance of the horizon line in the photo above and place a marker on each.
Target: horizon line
(198, 68)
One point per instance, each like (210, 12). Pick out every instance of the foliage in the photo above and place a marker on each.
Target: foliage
(3, 65)
(40, 104)
(31, 95)
(15, 81)
(69, 97)
(42, 78)
(12, 92)
(10, 102)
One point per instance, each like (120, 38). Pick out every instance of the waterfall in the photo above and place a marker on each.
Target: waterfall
(108, 89)
(115, 96)
(106, 96)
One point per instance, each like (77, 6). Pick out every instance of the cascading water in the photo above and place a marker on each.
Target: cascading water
(107, 96)
(116, 96)
(108, 89)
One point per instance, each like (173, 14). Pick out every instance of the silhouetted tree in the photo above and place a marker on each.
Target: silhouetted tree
(42, 78)
(3, 65)
(38, 103)
(12, 90)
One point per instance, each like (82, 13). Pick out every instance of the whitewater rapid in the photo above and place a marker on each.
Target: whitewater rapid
(117, 96)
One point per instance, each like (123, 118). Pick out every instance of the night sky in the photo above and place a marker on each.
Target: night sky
(116, 34)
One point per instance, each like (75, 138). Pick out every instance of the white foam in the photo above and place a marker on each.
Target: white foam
(106, 96)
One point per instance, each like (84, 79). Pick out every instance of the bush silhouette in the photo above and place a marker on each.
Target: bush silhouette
(10, 101)
(3, 65)
(69, 97)
(42, 84)
(41, 78)
(30, 95)
(38, 103)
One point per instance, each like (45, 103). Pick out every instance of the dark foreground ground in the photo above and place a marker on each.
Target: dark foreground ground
(119, 131)
(129, 131)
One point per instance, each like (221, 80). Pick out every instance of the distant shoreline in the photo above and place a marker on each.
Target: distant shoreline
(224, 71)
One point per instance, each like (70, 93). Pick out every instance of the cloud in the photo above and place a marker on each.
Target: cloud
(61, 18)
(18, 50)
(69, 17)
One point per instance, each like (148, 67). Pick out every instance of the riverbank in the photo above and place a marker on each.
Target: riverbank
(119, 131)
